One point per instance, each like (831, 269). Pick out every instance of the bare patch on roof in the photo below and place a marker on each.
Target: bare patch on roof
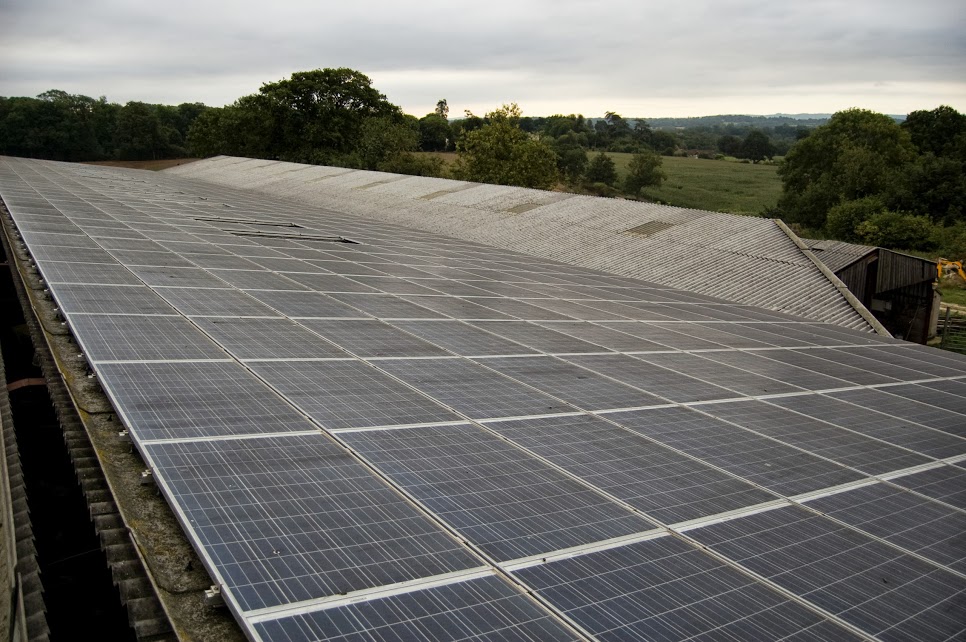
(382, 182)
(651, 227)
(444, 192)
(524, 207)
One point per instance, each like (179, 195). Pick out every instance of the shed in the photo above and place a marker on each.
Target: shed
(897, 288)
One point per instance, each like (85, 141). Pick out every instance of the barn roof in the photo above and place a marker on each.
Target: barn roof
(755, 261)
(368, 431)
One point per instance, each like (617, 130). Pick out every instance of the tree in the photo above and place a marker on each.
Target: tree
(434, 133)
(500, 152)
(893, 229)
(138, 135)
(644, 170)
(938, 181)
(602, 170)
(845, 218)
(571, 157)
(756, 146)
(729, 145)
(664, 143)
(381, 140)
(935, 131)
(857, 154)
(316, 116)
(442, 109)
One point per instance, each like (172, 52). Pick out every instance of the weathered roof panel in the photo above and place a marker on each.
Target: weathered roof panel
(739, 258)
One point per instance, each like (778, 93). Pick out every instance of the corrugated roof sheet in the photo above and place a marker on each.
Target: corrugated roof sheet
(739, 258)
(838, 254)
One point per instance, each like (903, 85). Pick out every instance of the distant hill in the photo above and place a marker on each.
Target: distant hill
(743, 121)
(740, 120)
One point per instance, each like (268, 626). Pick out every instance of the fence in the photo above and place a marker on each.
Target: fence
(953, 332)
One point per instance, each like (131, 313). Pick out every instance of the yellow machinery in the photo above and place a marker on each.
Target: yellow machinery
(943, 266)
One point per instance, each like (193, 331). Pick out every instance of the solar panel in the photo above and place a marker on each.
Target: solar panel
(179, 400)
(664, 589)
(485, 608)
(843, 446)
(509, 503)
(655, 380)
(462, 338)
(288, 519)
(865, 582)
(661, 482)
(944, 483)
(135, 337)
(913, 522)
(345, 394)
(418, 437)
(471, 389)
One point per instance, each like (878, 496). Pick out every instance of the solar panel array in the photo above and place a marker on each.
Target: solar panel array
(413, 437)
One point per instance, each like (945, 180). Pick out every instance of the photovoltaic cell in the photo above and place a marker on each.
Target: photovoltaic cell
(180, 277)
(664, 484)
(462, 338)
(257, 280)
(783, 372)
(538, 337)
(926, 394)
(349, 394)
(215, 302)
(502, 499)
(657, 381)
(907, 409)
(933, 443)
(916, 524)
(606, 337)
(760, 460)
(371, 338)
(196, 399)
(582, 388)
(742, 382)
(824, 361)
(665, 589)
(875, 587)
(104, 274)
(456, 308)
(945, 483)
(663, 336)
(847, 448)
(481, 609)
(287, 519)
(267, 339)
(305, 304)
(142, 337)
(386, 306)
(471, 389)
(134, 299)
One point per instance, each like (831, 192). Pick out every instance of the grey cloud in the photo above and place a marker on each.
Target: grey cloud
(622, 48)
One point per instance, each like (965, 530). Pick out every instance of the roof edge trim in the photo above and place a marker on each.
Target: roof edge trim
(834, 280)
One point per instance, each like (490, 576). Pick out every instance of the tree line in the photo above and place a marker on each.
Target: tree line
(60, 126)
(865, 178)
(861, 176)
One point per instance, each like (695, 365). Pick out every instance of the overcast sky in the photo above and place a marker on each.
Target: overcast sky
(635, 57)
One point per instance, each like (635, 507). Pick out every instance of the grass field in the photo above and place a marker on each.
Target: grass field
(954, 295)
(716, 185)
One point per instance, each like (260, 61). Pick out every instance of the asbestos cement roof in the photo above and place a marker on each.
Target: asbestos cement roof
(838, 254)
(738, 258)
